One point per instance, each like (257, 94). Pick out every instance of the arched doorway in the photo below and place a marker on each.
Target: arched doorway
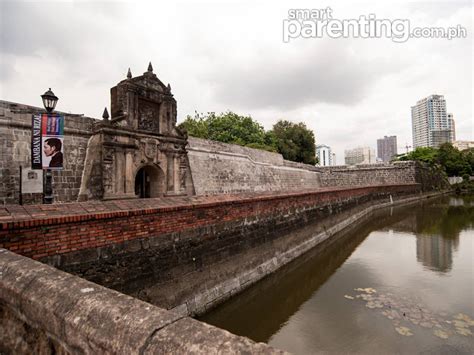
(149, 182)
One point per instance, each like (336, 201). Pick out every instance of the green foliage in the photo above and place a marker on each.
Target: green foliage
(453, 161)
(227, 127)
(195, 126)
(295, 142)
(232, 128)
(427, 155)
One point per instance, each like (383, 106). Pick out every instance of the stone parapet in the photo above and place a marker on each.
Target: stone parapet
(47, 311)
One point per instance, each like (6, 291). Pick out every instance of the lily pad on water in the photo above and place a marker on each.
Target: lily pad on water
(464, 331)
(441, 334)
(370, 305)
(366, 290)
(465, 318)
(404, 331)
(460, 324)
(348, 297)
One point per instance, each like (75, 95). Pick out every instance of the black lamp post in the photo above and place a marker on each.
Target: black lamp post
(49, 102)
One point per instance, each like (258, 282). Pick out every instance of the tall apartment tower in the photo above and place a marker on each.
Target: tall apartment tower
(452, 126)
(324, 154)
(430, 126)
(387, 148)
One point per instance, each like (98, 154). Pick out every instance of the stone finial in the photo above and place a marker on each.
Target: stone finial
(169, 87)
(150, 68)
(129, 74)
(105, 115)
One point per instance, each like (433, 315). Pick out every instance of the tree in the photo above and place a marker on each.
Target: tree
(424, 154)
(195, 126)
(295, 141)
(454, 162)
(229, 127)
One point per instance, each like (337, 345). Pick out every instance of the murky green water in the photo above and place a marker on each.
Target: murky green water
(401, 283)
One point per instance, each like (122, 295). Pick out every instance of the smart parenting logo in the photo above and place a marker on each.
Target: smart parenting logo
(319, 23)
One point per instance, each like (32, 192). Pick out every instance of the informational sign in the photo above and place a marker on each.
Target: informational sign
(47, 139)
(31, 181)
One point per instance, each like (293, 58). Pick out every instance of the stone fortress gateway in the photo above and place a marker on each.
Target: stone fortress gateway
(138, 152)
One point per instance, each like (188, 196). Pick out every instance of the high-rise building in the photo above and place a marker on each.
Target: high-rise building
(324, 154)
(452, 126)
(430, 125)
(359, 155)
(386, 148)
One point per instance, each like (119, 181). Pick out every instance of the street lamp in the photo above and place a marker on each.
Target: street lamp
(49, 102)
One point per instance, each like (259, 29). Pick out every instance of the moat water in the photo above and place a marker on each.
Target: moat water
(403, 282)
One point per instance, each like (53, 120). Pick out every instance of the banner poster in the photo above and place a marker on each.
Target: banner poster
(47, 142)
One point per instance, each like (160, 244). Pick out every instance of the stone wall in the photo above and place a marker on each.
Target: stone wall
(47, 311)
(172, 255)
(378, 174)
(15, 145)
(218, 168)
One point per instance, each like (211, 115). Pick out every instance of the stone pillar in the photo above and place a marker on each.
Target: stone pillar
(119, 172)
(129, 173)
(170, 172)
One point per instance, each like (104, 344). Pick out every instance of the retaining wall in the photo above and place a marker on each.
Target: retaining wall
(186, 256)
(46, 311)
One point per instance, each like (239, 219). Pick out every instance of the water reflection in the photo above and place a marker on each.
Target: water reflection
(437, 227)
(435, 252)
(270, 303)
(311, 304)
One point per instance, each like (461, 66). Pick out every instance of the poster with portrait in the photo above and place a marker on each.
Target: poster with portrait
(52, 155)
(47, 142)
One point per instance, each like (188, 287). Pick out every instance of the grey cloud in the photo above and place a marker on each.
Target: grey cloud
(334, 75)
(61, 28)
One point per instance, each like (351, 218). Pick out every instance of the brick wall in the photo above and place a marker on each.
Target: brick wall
(42, 237)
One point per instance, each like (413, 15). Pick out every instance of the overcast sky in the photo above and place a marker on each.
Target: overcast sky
(231, 56)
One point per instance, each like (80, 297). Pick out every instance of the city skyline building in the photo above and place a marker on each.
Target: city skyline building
(452, 127)
(387, 148)
(359, 155)
(430, 124)
(325, 155)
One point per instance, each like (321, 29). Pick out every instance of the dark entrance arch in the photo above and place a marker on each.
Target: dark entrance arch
(148, 182)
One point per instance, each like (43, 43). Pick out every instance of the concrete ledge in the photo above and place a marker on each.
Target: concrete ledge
(66, 314)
